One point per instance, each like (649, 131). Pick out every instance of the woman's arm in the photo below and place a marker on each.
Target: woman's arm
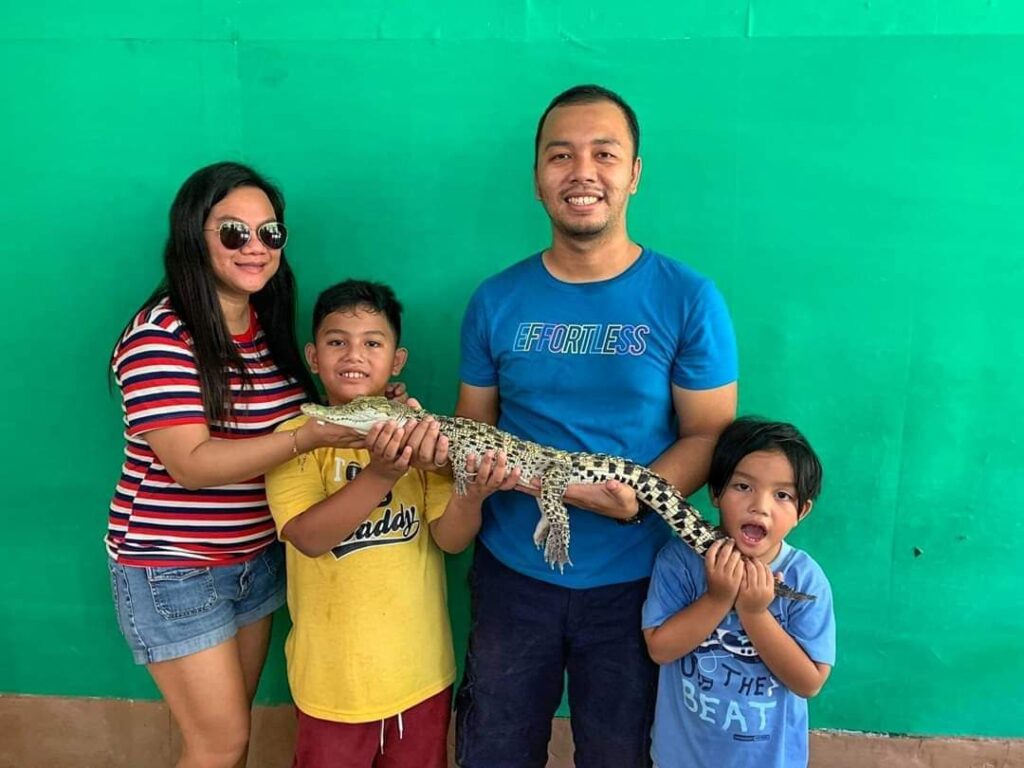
(196, 460)
(157, 374)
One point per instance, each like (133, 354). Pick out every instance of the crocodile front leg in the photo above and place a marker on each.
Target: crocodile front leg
(460, 476)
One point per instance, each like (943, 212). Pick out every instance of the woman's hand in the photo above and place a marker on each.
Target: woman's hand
(395, 390)
(320, 434)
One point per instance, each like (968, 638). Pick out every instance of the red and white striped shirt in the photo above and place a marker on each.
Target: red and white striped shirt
(153, 520)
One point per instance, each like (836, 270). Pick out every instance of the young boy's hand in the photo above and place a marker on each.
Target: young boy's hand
(724, 565)
(491, 474)
(757, 589)
(389, 456)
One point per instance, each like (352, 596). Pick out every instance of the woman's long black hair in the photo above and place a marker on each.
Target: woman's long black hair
(190, 284)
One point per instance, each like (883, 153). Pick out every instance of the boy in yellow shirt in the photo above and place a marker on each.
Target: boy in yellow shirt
(370, 660)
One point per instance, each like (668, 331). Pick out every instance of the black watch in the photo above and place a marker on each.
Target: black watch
(642, 511)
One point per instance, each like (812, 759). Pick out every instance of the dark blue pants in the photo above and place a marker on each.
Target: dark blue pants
(527, 636)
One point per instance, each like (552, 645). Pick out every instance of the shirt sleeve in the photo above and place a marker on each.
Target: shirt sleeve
(296, 485)
(672, 586)
(706, 357)
(156, 372)
(477, 366)
(437, 489)
(812, 623)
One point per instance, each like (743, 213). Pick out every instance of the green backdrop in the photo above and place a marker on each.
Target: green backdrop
(850, 173)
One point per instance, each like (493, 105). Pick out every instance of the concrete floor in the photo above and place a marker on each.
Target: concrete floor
(54, 732)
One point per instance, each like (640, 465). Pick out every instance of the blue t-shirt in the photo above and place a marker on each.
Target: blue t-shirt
(589, 367)
(720, 705)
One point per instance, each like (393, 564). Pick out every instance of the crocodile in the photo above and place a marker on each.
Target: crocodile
(555, 469)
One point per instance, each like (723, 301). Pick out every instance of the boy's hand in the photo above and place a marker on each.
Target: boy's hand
(491, 474)
(429, 446)
(389, 457)
(724, 565)
(757, 590)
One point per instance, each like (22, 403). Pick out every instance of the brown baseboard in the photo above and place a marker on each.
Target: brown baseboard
(58, 732)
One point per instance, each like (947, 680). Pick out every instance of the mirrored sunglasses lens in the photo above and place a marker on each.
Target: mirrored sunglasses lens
(233, 235)
(273, 234)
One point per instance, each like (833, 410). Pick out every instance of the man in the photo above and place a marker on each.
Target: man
(595, 344)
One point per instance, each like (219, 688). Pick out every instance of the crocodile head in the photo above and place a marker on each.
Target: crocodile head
(362, 413)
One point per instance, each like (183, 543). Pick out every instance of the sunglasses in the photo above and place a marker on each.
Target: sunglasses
(235, 234)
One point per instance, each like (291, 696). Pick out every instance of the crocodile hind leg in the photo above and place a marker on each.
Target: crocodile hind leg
(553, 528)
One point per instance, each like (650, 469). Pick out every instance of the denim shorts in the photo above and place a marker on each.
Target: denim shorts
(173, 611)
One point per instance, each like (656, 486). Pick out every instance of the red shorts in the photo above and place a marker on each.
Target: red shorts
(416, 738)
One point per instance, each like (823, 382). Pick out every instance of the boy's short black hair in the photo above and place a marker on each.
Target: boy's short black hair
(749, 434)
(352, 294)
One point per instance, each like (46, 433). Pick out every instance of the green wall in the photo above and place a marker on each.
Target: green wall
(850, 173)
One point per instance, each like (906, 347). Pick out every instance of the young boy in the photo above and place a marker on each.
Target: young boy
(737, 664)
(370, 660)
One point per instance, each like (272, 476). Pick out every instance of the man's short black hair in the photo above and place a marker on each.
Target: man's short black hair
(749, 434)
(590, 94)
(355, 294)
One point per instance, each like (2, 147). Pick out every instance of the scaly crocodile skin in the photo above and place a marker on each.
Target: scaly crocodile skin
(554, 468)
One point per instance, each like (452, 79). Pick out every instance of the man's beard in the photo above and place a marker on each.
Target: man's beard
(581, 230)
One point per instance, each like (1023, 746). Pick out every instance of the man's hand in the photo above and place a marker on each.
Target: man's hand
(724, 565)
(757, 589)
(611, 499)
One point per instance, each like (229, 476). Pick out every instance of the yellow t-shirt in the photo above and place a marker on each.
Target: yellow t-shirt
(370, 632)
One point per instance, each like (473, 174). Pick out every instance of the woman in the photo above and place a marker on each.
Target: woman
(207, 368)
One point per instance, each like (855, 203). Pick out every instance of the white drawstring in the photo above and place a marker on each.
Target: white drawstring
(401, 731)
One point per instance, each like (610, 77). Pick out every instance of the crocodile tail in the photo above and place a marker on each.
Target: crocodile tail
(683, 518)
(787, 592)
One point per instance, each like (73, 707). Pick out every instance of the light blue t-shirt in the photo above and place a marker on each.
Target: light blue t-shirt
(589, 367)
(720, 705)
